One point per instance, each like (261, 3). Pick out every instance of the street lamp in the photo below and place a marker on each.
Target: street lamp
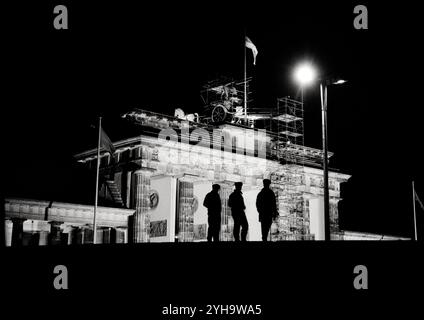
(323, 93)
(305, 74)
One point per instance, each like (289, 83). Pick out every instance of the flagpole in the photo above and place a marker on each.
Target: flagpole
(415, 213)
(97, 182)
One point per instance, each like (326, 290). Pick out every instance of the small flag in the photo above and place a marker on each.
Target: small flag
(250, 45)
(106, 143)
(419, 201)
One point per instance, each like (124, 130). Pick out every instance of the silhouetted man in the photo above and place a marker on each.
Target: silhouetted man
(213, 203)
(236, 203)
(267, 208)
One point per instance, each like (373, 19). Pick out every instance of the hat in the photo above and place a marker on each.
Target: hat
(216, 186)
(238, 184)
(266, 182)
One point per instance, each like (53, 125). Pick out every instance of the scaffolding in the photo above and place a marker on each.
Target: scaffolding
(227, 223)
(288, 183)
(290, 120)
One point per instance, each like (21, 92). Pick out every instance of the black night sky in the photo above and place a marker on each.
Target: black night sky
(119, 55)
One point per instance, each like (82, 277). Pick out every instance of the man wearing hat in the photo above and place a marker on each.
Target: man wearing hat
(213, 203)
(267, 208)
(236, 203)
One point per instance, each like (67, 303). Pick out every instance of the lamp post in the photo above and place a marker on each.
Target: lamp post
(305, 74)
(323, 93)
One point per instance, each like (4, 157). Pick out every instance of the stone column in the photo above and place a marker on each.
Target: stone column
(44, 238)
(8, 225)
(17, 231)
(72, 235)
(141, 224)
(334, 217)
(88, 234)
(121, 235)
(185, 212)
(43, 228)
(55, 236)
(100, 231)
(227, 222)
(79, 235)
(112, 235)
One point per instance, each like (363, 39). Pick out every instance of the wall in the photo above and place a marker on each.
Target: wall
(316, 214)
(252, 214)
(164, 189)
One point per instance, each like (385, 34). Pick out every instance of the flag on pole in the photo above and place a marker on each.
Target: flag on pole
(419, 201)
(106, 143)
(250, 45)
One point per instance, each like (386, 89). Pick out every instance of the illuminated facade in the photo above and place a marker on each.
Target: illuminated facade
(165, 173)
(153, 186)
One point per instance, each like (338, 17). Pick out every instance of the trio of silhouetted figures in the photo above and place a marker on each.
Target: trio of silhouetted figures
(265, 204)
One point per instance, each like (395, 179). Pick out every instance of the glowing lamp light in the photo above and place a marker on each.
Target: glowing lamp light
(305, 74)
(340, 81)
